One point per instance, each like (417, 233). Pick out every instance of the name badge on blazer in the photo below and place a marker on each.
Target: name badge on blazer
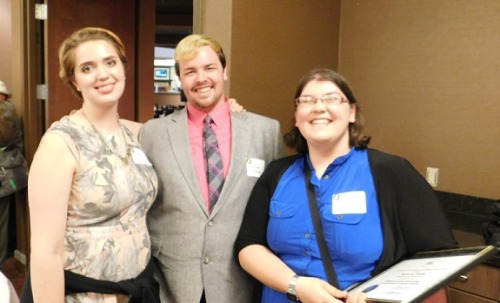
(351, 202)
(255, 167)
(139, 157)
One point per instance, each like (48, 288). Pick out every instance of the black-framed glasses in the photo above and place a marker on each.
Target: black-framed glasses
(332, 99)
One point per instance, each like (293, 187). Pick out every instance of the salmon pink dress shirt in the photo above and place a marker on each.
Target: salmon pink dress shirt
(222, 127)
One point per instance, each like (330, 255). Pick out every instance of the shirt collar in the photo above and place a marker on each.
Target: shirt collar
(337, 162)
(219, 114)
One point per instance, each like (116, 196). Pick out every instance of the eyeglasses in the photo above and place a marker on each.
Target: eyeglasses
(334, 99)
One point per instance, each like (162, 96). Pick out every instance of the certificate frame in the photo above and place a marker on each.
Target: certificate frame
(413, 279)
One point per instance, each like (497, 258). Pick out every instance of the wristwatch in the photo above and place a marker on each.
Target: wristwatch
(291, 293)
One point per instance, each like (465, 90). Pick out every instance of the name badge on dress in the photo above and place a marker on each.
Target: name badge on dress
(139, 157)
(255, 167)
(351, 202)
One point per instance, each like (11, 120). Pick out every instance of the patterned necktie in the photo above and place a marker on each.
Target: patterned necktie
(215, 172)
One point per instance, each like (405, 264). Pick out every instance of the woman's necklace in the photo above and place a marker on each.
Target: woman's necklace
(128, 152)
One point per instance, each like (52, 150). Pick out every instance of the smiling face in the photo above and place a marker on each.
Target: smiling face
(99, 74)
(202, 79)
(324, 125)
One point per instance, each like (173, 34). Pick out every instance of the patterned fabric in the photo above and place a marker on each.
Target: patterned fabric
(106, 234)
(215, 171)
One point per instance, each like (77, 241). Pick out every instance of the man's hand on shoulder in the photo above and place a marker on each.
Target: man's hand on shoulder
(235, 107)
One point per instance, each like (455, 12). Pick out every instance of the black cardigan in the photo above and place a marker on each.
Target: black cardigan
(412, 217)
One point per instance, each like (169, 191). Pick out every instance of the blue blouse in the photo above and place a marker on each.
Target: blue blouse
(350, 217)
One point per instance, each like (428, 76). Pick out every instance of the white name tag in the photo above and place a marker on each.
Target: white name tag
(139, 157)
(351, 202)
(255, 167)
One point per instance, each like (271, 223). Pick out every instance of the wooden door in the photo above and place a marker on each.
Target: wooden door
(66, 16)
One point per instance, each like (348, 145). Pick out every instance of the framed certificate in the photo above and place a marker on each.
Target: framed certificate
(415, 278)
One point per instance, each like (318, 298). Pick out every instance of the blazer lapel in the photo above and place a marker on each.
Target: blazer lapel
(178, 134)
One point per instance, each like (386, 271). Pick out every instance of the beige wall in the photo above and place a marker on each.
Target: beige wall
(271, 45)
(216, 22)
(427, 74)
(274, 43)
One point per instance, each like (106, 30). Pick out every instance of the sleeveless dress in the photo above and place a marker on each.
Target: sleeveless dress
(106, 234)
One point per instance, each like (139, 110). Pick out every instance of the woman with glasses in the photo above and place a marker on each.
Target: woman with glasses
(375, 209)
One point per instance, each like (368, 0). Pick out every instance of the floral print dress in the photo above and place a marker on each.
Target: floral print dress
(106, 234)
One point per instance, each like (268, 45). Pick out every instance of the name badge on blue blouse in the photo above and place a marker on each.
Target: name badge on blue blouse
(351, 202)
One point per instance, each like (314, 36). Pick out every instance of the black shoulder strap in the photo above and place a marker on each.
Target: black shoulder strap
(318, 228)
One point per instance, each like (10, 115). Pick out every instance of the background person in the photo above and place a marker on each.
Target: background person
(11, 138)
(90, 186)
(193, 239)
(375, 208)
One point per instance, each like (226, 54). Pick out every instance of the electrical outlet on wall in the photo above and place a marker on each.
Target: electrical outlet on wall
(432, 176)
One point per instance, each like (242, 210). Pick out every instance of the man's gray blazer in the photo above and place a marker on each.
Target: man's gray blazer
(194, 249)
